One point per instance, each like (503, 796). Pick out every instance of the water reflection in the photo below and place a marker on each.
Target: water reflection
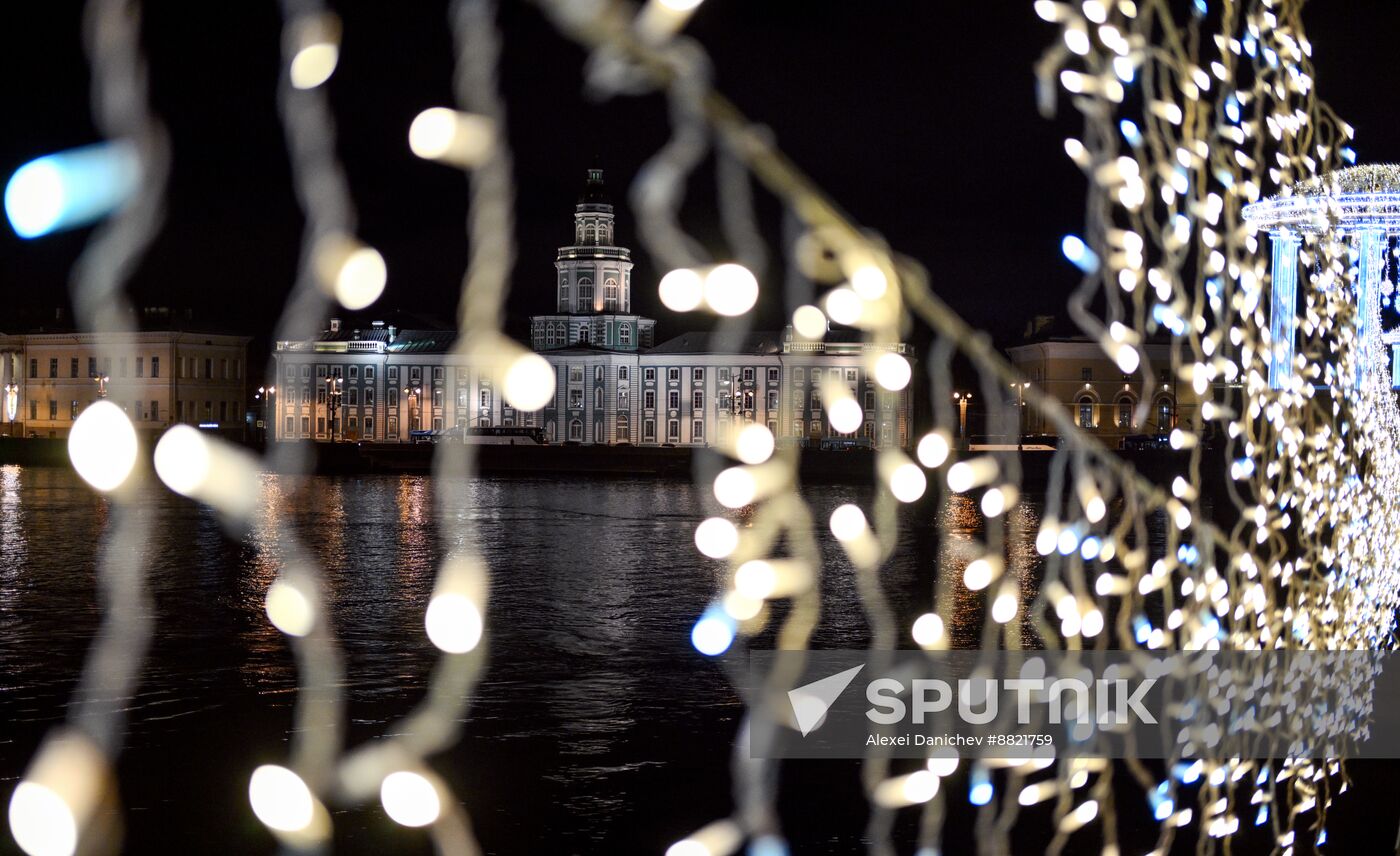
(596, 727)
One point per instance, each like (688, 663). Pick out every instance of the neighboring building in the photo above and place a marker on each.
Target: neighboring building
(612, 385)
(158, 378)
(1076, 372)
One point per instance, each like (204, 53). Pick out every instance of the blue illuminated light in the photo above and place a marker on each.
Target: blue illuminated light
(1262, 817)
(1232, 108)
(1079, 254)
(1200, 8)
(714, 632)
(1348, 154)
(1142, 630)
(980, 793)
(1130, 132)
(70, 188)
(768, 845)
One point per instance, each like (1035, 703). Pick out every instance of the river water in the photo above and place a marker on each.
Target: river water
(597, 728)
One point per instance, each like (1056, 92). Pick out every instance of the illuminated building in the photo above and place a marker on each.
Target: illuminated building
(157, 378)
(612, 385)
(1102, 398)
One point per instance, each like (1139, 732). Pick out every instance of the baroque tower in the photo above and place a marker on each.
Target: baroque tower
(593, 285)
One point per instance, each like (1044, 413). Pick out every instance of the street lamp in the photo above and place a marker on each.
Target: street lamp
(1020, 411)
(265, 394)
(963, 399)
(333, 403)
(413, 393)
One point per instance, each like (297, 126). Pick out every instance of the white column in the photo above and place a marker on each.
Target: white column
(1283, 307)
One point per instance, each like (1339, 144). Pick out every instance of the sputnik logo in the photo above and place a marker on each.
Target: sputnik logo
(810, 702)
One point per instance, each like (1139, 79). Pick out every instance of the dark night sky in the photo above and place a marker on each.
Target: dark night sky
(917, 117)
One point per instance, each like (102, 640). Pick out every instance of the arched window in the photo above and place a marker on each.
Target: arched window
(585, 335)
(590, 234)
(585, 295)
(1125, 412)
(575, 430)
(624, 431)
(610, 294)
(624, 334)
(598, 398)
(1086, 412)
(1165, 414)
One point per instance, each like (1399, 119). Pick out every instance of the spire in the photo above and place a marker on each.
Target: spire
(594, 193)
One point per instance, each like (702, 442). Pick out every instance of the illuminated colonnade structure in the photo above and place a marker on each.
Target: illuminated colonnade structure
(1359, 205)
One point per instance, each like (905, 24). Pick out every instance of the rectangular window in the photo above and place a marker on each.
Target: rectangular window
(622, 372)
(1086, 374)
(673, 430)
(723, 374)
(575, 398)
(748, 374)
(393, 374)
(53, 367)
(697, 375)
(575, 374)
(354, 372)
(673, 374)
(92, 366)
(393, 426)
(33, 409)
(697, 400)
(437, 373)
(53, 408)
(223, 412)
(369, 396)
(851, 375)
(73, 367)
(290, 428)
(136, 411)
(155, 366)
(353, 397)
(697, 430)
(869, 400)
(369, 375)
(393, 396)
(649, 430)
(33, 367)
(352, 424)
(649, 375)
(772, 375)
(140, 366)
(223, 369)
(73, 409)
(649, 399)
(622, 401)
(797, 375)
(486, 398)
(306, 426)
(772, 399)
(155, 411)
(437, 397)
(369, 426)
(208, 368)
(673, 399)
(121, 364)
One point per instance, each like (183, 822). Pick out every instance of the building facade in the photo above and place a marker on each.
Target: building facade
(613, 385)
(158, 378)
(1103, 400)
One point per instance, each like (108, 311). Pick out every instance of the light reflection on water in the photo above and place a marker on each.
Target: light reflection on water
(594, 722)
